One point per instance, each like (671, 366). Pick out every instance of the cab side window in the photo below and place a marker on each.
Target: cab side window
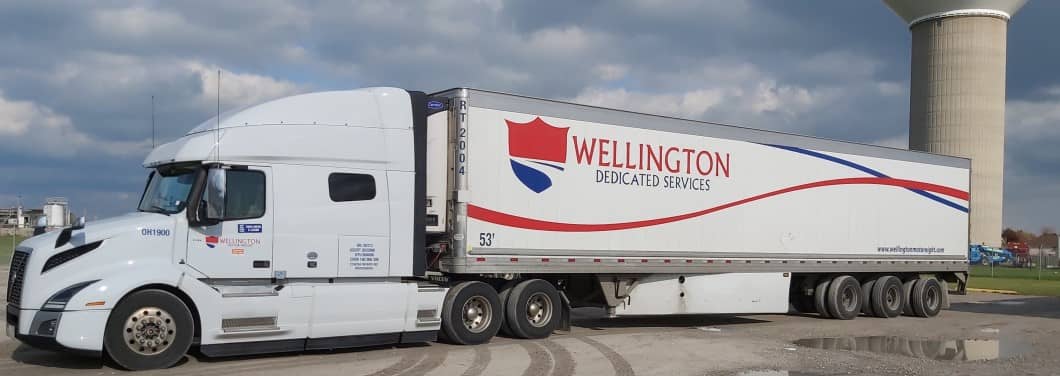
(351, 187)
(245, 198)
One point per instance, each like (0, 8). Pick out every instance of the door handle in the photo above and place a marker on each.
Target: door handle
(261, 263)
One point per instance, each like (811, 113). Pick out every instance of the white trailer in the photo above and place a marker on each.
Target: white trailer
(376, 216)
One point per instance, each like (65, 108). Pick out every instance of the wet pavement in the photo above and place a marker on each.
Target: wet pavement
(952, 349)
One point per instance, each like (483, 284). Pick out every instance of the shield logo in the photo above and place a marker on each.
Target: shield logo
(534, 148)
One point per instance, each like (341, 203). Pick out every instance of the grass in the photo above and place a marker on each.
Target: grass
(6, 248)
(1022, 280)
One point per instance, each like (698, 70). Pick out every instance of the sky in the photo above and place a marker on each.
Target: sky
(76, 78)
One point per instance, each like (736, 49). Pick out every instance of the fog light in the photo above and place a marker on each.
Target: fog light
(47, 328)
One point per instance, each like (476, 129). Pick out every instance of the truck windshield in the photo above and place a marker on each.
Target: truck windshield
(167, 190)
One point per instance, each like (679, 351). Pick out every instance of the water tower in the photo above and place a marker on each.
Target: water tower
(957, 93)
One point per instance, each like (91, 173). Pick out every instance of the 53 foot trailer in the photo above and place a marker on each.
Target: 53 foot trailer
(376, 216)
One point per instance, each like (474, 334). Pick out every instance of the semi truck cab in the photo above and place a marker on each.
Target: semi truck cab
(279, 227)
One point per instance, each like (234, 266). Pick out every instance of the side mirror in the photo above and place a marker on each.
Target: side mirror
(42, 224)
(79, 224)
(214, 194)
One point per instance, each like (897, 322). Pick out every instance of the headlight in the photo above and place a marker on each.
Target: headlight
(69, 254)
(58, 301)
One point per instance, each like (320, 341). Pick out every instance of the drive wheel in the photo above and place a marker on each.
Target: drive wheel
(820, 297)
(532, 310)
(844, 298)
(866, 297)
(505, 291)
(471, 313)
(887, 298)
(148, 329)
(927, 297)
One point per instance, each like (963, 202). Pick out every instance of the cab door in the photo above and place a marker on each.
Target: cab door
(239, 245)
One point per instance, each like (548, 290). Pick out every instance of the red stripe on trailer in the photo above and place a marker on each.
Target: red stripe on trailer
(514, 259)
(667, 261)
(710, 261)
(596, 260)
(480, 259)
(621, 260)
(544, 260)
(570, 260)
(643, 260)
(688, 261)
(511, 220)
(728, 261)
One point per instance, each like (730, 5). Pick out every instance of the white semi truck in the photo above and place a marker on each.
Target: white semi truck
(376, 216)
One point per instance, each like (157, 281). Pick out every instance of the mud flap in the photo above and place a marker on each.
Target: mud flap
(564, 323)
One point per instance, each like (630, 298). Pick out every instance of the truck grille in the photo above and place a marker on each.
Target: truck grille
(16, 276)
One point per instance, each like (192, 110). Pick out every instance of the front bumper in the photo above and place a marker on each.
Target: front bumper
(78, 332)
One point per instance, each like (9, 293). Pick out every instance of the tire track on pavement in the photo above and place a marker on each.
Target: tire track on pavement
(618, 363)
(482, 360)
(540, 360)
(432, 361)
(406, 362)
(562, 361)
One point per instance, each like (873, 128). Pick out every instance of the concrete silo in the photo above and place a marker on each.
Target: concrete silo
(957, 93)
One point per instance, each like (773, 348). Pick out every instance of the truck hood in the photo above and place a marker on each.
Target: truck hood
(131, 224)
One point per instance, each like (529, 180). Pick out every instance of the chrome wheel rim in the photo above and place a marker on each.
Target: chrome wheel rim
(539, 309)
(149, 331)
(478, 313)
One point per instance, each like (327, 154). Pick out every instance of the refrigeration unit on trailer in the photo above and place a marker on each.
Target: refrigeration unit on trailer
(378, 216)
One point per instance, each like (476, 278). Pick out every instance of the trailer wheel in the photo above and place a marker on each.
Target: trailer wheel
(907, 297)
(533, 309)
(866, 297)
(148, 329)
(887, 297)
(471, 313)
(927, 297)
(844, 298)
(820, 297)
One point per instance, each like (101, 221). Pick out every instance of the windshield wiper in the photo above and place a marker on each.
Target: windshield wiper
(160, 210)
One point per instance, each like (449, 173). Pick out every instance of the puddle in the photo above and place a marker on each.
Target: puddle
(1011, 302)
(957, 350)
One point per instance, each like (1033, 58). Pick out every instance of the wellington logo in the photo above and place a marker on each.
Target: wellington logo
(534, 148)
(211, 241)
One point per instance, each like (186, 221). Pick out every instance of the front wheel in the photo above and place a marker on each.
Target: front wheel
(148, 329)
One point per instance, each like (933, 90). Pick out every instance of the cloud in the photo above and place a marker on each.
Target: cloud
(30, 128)
(85, 72)
(238, 89)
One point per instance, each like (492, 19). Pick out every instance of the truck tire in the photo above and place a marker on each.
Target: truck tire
(844, 298)
(927, 297)
(888, 297)
(866, 297)
(820, 297)
(471, 313)
(148, 329)
(907, 297)
(506, 289)
(533, 309)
